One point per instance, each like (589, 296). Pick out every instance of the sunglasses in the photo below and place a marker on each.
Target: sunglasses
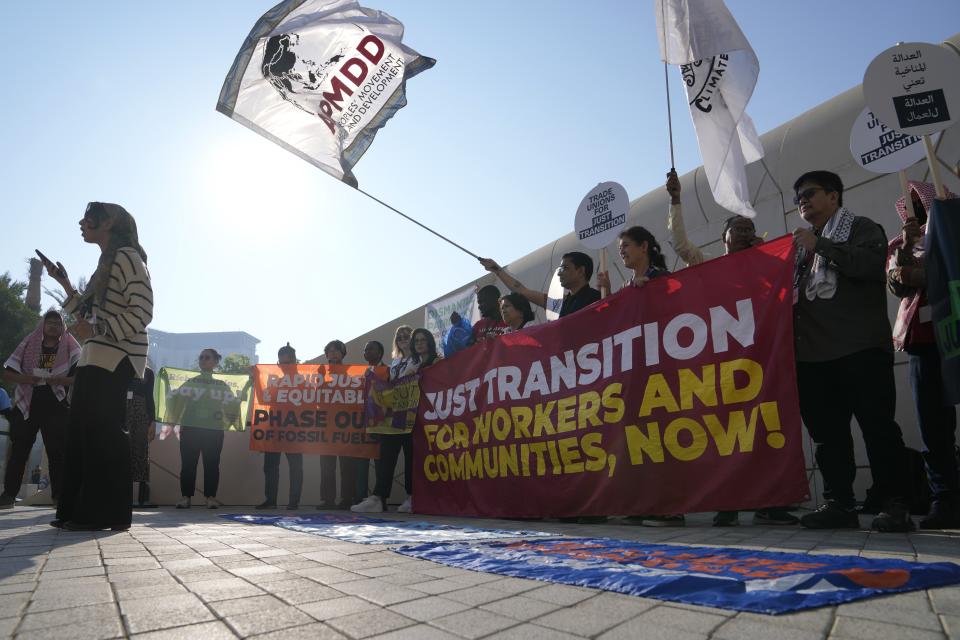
(207, 356)
(806, 194)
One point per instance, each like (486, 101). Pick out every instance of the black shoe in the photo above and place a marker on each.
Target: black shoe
(726, 519)
(664, 521)
(592, 519)
(266, 505)
(775, 517)
(7, 502)
(70, 525)
(292, 507)
(944, 514)
(831, 515)
(143, 496)
(895, 518)
(57, 524)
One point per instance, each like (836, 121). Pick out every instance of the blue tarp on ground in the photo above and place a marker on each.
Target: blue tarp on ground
(351, 527)
(739, 579)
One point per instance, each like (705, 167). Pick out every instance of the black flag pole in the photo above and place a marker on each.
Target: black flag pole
(416, 222)
(666, 81)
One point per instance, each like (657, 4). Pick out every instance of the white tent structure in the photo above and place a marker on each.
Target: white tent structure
(817, 139)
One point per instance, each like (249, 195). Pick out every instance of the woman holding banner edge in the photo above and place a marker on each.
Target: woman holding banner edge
(202, 420)
(422, 354)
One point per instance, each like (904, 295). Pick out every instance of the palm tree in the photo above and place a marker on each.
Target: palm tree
(61, 298)
(33, 284)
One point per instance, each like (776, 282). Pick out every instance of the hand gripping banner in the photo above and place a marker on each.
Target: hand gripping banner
(678, 396)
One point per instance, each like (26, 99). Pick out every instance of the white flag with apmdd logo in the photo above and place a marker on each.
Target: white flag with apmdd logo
(720, 70)
(319, 78)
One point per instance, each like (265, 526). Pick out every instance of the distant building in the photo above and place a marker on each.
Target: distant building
(180, 350)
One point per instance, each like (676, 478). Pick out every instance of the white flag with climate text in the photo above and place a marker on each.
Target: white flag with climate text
(320, 78)
(719, 69)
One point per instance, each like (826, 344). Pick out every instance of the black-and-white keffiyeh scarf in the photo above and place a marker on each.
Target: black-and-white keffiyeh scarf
(822, 282)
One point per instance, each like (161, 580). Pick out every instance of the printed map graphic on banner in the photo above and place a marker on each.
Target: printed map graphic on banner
(392, 406)
(320, 78)
(381, 531)
(198, 399)
(676, 397)
(740, 579)
(310, 409)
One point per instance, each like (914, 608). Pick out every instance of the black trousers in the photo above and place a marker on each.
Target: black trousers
(328, 480)
(390, 447)
(50, 417)
(350, 469)
(937, 421)
(97, 482)
(271, 476)
(194, 442)
(859, 385)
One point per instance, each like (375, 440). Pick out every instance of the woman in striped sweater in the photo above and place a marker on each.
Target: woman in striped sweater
(113, 313)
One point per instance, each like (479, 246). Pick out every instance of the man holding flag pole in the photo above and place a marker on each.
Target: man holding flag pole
(719, 70)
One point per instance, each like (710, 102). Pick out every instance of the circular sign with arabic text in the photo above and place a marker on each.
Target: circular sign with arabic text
(914, 88)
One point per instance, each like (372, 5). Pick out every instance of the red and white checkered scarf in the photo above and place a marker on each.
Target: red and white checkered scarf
(911, 304)
(27, 356)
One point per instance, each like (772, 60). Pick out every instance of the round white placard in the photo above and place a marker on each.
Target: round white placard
(601, 216)
(878, 148)
(914, 88)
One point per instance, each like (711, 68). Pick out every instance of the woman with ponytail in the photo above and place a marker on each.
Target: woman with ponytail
(113, 313)
(640, 253)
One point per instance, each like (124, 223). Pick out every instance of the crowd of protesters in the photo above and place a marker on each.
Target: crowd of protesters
(88, 392)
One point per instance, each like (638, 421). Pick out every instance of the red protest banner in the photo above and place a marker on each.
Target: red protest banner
(310, 409)
(675, 397)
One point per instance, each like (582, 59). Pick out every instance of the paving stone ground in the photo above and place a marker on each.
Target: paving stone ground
(189, 574)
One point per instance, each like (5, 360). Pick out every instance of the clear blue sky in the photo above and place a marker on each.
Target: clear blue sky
(530, 105)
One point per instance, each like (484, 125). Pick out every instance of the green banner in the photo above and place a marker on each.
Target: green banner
(200, 399)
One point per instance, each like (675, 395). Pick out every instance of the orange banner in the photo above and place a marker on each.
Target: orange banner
(310, 409)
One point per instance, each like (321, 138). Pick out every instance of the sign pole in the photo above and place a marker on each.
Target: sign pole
(905, 190)
(604, 292)
(934, 167)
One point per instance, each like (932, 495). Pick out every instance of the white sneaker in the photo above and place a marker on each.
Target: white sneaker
(407, 506)
(184, 503)
(213, 503)
(370, 504)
